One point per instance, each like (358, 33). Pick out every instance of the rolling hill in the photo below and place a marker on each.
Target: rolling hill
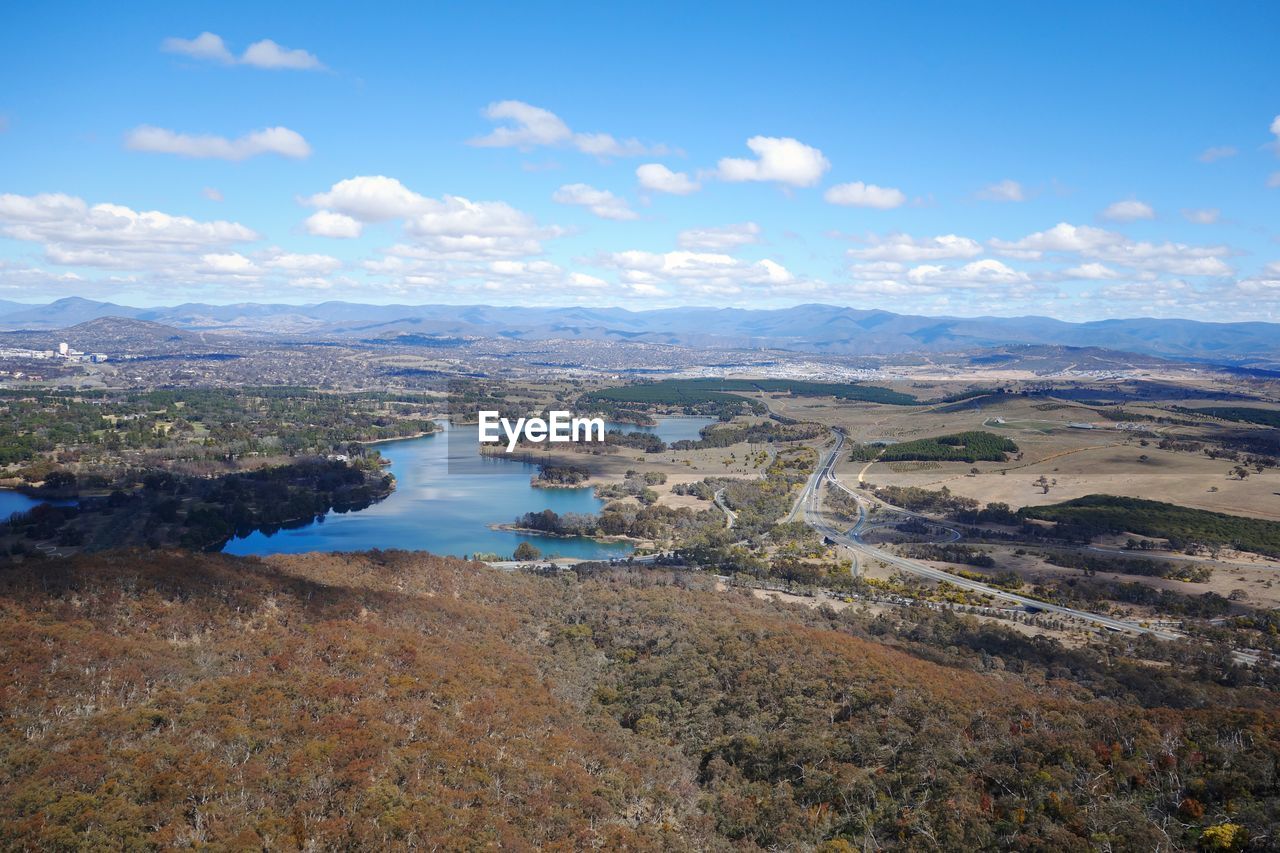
(805, 328)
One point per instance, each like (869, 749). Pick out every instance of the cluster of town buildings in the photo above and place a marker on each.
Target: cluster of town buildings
(63, 351)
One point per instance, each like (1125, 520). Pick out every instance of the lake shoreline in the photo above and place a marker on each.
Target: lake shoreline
(604, 540)
(446, 494)
(403, 437)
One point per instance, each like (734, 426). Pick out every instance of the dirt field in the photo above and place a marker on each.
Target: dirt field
(1105, 459)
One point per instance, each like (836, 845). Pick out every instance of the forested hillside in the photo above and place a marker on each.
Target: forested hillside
(391, 699)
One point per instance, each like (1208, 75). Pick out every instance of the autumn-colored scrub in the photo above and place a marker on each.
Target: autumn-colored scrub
(388, 700)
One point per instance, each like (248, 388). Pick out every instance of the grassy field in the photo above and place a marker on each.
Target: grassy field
(1113, 514)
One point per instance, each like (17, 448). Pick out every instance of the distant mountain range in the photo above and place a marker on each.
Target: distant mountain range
(804, 328)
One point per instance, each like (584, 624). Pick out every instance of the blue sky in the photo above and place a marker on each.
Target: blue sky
(1080, 161)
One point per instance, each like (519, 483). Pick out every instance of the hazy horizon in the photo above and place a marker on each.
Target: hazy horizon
(627, 308)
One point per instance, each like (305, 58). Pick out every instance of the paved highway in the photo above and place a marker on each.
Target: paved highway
(811, 500)
(730, 517)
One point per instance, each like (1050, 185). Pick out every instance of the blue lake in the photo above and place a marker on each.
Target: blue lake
(446, 497)
(11, 502)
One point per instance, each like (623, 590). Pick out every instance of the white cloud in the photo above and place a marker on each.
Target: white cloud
(889, 278)
(780, 159)
(1062, 237)
(212, 193)
(858, 194)
(904, 247)
(204, 46)
(23, 279)
(450, 227)
(525, 269)
(604, 145)
(657, 177)
(1218, 152)
(527, 127)
(261, 54)
(326, 223)
(1108, 246)
(149, 245)
(889, 287)
(1203, 216)
(581, 279)
(268, 54)
(370, 198)
(229, 263)
(987, 271)
(1006, 190)
(454, 216)
(706, 273)
(271, 140)
(298, 263)
(724, 238)
(1273, 181)
(1092, 271)
(62, 219)
(602, 203)
(1128, 210)
(1146, 291)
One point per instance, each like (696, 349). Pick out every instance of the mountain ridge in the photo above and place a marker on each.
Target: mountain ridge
(810, 327)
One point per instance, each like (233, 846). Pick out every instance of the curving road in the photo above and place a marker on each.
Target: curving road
(810, 500)
(730, 517)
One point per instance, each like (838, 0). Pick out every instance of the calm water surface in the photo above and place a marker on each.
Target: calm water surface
(445, 505)
(11, 502)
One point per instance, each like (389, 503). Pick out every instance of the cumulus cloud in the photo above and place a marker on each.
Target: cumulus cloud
(206, 46)
(1092, 271)
(890, 278)
(23, 278)
(1202, 216)
(58, 219)
(724, 238)
(987, 271)
(450, 227)
(1128, 210)
(228, 264)
(1006, 190)
(271, 140)
(458, 216)
(1217, 152)
(292, 262)
(706, 273)
(657, 177)
(1110, 247)
(905, 248)
(266, 53)
(149, 245)
(370, 198)
(525, 126)
(326, 223)
(858, 194)
(212, 193)
(781, 159)
(602, 203)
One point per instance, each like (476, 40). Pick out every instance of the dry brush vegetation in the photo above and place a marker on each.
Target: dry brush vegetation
(393, 699)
